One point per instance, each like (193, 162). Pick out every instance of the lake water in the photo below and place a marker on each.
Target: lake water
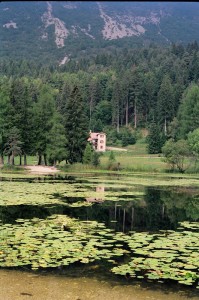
(122, 206)
(16, 285)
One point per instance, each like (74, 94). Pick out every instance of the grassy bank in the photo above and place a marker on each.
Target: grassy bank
(134, 160)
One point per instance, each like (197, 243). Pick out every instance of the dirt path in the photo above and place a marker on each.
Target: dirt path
(115, 149)
(41, 169)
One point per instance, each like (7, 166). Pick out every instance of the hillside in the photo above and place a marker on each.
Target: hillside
(61, 31)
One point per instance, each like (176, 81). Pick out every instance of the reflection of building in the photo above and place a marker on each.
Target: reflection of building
(99, 195)
(98, 140)
(97, 200)
(100, 189)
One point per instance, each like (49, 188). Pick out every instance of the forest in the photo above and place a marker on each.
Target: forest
(48, 110)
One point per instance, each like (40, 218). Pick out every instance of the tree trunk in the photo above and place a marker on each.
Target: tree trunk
(45, 160)
(8, 159)
(12, 159)
(90, 114)
(40, 159)
(20, 160)
(1, 159)
(135, 116)
(127, 112)
(165, 126)
(25, 160)
(118, 121)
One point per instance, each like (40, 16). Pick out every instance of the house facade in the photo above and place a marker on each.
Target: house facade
(98, 141)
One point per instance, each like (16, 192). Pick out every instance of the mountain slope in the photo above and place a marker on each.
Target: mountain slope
(59, 31)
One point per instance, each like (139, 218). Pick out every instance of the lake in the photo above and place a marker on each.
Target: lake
(95, 237)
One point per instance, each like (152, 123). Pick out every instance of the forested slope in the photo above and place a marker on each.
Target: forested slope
(128, 88)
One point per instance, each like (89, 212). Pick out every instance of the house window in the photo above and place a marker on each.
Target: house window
(101, 141)
(101, 147)
(101, 135)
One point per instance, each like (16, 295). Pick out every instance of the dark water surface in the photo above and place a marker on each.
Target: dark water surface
(159, 207)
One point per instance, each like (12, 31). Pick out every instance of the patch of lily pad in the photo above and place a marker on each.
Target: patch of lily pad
(60, 241)
(56, 241)
(44, 193)
(168, 255)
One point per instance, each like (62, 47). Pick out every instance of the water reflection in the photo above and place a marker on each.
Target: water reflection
(100, 195)
(158, 209)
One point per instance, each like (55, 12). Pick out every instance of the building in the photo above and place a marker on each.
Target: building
(98, 140)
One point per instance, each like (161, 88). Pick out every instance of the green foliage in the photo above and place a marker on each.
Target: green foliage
(193, 141)
(76, 126)
(189, 111)
(176, 153)
(113, 165)
(123, 138)
(13, 145)
(96, 159)
(43, 114)
(127, 137)
(165, 102)
(56, 147)
(155, 139)
(132, 87)
(88, 154)
(111, 157)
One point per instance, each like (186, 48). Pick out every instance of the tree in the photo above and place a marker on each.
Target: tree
(13, 145)
(5, 108)
(127, 137)
(22, 112)
(166, 102)
(88, 153)
(176, 153)
(189, 111)
(56, 146)
(155, 139)
(76, 127)
(111, 158)
(96, 159)
(44, 111)
(193, 141)
(103, 112)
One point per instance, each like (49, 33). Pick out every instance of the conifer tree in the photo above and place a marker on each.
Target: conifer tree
(88, 153)
(155, 139)
(76, 126)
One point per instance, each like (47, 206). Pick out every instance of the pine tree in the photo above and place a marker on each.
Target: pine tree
(5, 107)
(88, 153)
(155, 139)
(13, 145)
(166, 103)
(96, 159)
(44, 111)
(56, 146)
(76, 126)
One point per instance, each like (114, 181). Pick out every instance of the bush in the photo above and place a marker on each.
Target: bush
(124, 138)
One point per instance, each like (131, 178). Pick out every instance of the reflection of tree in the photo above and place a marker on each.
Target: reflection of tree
(156, 217)
(8, 214)
(181, 205)
(160, 209)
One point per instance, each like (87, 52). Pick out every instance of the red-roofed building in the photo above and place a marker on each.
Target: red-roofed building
(98, 140)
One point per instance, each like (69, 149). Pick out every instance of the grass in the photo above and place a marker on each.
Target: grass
(135, 159)
(31, 160)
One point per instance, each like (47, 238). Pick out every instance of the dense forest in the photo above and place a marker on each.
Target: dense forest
(48, 110)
